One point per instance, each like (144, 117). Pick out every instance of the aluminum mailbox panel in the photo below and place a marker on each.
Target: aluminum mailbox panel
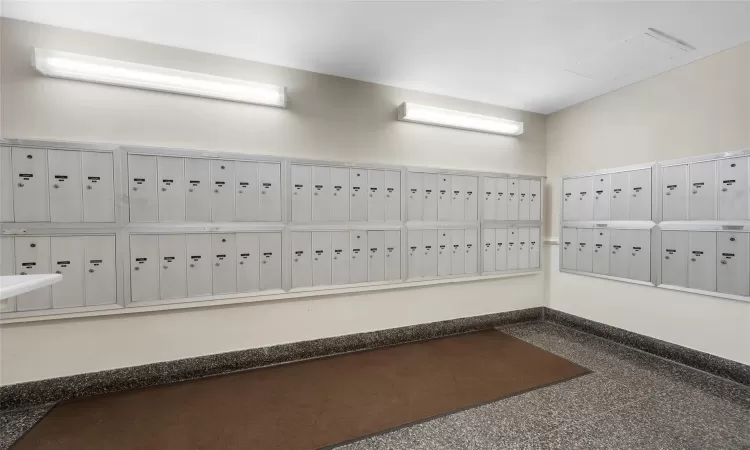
(535, 243)
(640, 194)
(392, 195)
(458, 252)
(584, 257)
(98, 187)
(501, 249)
(144, 267)
(67, 258)
(30, 191)
(585, 198)
(674, 193)
(458, 198)
(535, 200)
(601, 252)
(619, 206)
(703, 190)
(640, 255)
(415, 200)
(301, 199)
(376, 195)
(512, 199)
(101, 272)
(470, 243)
(445, 194)
(144, 206)
(430, 196)
(569, 248)
(270, 263)
(430, 258)
(171, 181)
(570, 201)
(222, 198)
(733, 263)
(523, 248)
(392, 255)
(340, 193)
(224, 249)
(501, 199)
(358, 199)
(269, 203)
(702, 264)
(358, 249)
(340, 255)
(198, 191)
(173, 267)
(246, 195)
(248, 261)
(733, 189)
(619, 263)
(445, 252)
(488, 198)
(512, 248)
(66, 195)
(414, 253)
(321, 194)
(376, 255)
(471, 186)
(32, 258)
(674, 258)
(602, 196)
(523, 200)
(321, 254)
(198, 251)
(488, 250)
(301, 259)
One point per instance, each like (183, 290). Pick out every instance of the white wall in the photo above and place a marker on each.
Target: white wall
(697, 109)
(327, 118)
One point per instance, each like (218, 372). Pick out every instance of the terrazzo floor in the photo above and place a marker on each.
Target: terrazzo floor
(632, 400)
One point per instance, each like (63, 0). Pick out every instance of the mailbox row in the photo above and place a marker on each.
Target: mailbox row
(87, 264)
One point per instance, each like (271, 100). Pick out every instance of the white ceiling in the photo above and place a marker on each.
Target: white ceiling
(521, 55)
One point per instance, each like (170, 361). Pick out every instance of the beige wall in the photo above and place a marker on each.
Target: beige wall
(697, 109)
(327, 118)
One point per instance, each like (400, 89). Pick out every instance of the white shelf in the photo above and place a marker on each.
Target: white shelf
(20, 284)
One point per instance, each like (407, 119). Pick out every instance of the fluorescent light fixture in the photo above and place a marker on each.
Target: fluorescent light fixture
(53, 63)
(411, 112)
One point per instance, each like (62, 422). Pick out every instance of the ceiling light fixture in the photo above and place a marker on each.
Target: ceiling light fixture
(430, 115)
(53, 63)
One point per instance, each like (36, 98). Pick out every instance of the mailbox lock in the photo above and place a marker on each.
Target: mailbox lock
(264, 261)
(354, 195)
(723, 261)
(56, 186)
(135, 188)
(163, 267)
(57, 271)
(88, 187)
(216, 190)
(20, 184)
(243, 262)
(223, 167)
(190, 190)
(91, 270)
(731, 239)
(136, 268)
(633, 195)
(723, 189)
(695, 191)
(223, 240)
(668, 193)
(23, 273)
(29, 157)
(692, 259)
(242, 191)
(666, 257)
(217, 264)
(33, 245)
(192, 265)
(163, 189)
(314, 193)
(335, 257)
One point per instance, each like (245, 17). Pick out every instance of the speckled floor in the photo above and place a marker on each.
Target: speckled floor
(631, 401)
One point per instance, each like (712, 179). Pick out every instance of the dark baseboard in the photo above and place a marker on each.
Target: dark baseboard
(56, 389)
(706, 362)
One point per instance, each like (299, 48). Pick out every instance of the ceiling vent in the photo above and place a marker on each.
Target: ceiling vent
(627, 57)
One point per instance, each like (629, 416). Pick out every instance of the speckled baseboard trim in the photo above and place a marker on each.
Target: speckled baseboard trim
(706, 362)
(56, 389)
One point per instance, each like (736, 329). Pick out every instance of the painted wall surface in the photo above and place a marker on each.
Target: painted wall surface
(697, 109)
(327, 118)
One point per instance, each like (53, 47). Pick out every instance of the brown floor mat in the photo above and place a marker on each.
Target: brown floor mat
(306, 405)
